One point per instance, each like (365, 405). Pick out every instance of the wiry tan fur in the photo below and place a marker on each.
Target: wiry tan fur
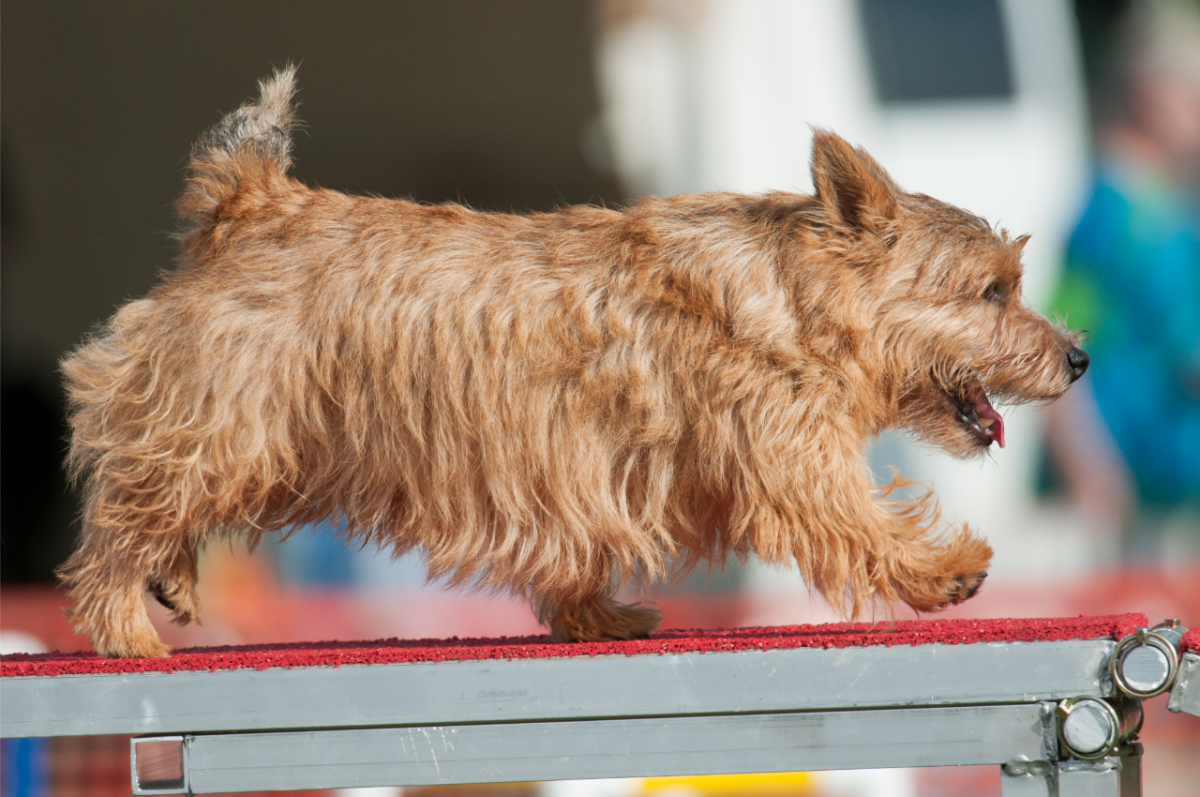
(550, 403)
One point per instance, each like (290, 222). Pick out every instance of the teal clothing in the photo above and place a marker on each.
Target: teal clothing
(1132, 280)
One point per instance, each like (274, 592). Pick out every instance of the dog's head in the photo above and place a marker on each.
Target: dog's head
(952, 336)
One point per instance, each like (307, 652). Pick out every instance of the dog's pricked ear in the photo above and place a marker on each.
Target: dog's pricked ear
(855, 190)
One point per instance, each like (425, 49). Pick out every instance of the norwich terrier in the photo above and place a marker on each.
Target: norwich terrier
(549, 404)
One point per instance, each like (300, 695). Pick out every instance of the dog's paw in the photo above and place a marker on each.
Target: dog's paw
(963, 588)
(145, 645)
(954, 574)
(601, 620)
(941, 592)
(635, 621)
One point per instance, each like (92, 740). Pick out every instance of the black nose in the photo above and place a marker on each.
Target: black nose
(1078, 361)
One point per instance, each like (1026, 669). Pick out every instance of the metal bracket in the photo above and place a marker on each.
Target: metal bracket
(1185, 696)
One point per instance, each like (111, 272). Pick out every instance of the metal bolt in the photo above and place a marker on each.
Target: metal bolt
(1090, 728)
(1146, 668)
(1144, 663)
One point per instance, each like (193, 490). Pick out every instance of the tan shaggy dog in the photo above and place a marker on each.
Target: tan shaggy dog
(550, 404)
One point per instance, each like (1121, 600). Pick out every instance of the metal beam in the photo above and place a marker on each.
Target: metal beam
(802, 679)
(489, 753)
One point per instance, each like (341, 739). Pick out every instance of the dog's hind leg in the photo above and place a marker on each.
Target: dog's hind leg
(107, 577)
(174, 586)
(594, 618)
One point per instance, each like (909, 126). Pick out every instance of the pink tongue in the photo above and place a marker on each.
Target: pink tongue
(986, 410)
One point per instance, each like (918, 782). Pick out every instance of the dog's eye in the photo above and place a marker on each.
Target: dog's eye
(993, 293)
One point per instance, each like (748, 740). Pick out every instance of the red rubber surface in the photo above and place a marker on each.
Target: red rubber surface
(1191, 640)
(390, 651)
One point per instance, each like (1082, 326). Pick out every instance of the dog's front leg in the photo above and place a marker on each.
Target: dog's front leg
(928, 570)
(851, 543)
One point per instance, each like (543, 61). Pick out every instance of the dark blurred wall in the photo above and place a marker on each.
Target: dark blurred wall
(472, 100)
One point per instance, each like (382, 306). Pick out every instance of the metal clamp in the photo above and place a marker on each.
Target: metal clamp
(1146, 662)
(1090, 728)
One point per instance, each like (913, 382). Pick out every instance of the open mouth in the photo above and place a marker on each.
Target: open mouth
(976, 413)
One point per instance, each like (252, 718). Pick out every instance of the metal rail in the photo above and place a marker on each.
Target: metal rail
(802, 679)
(491, 753)
(1059, 717)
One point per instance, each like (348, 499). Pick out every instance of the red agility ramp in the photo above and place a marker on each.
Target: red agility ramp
(1054, 702)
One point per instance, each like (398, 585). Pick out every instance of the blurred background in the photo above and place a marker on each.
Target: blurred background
(1078, 122)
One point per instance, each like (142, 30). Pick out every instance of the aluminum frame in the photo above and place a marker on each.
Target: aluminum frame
(607, 716)
(1117, 775)
(802, 679)
(1185, 696)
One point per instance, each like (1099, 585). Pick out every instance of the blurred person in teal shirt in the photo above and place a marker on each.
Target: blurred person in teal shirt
(1132, 280)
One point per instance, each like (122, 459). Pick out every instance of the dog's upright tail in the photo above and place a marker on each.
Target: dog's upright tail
(241, 148)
